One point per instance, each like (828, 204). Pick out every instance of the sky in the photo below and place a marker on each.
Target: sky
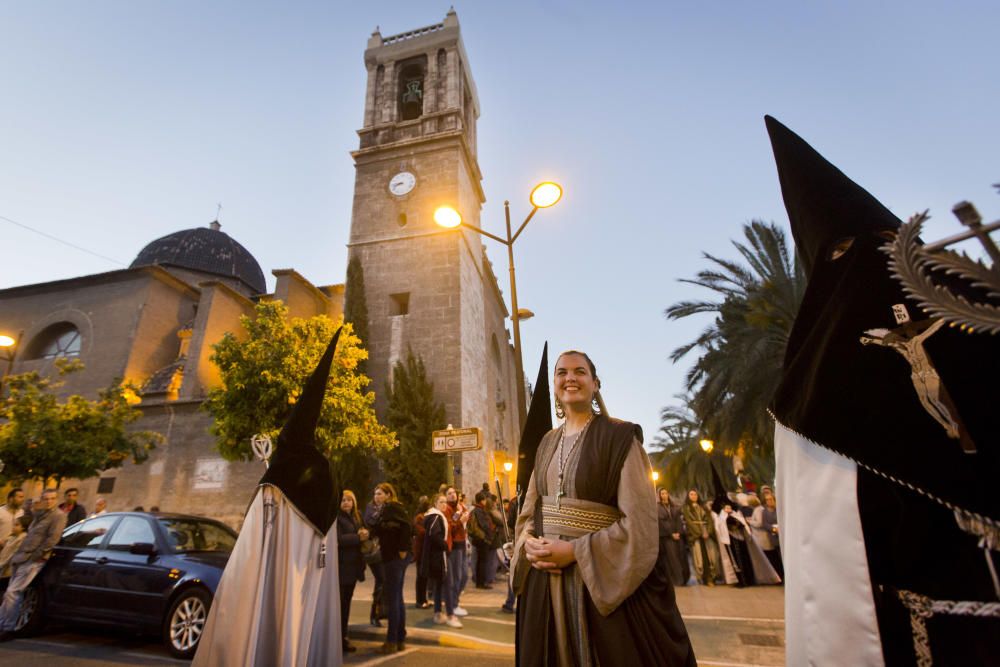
(124, 121)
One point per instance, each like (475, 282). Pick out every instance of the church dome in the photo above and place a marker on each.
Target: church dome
(207, 250)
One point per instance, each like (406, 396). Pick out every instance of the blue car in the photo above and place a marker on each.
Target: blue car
(153, 572)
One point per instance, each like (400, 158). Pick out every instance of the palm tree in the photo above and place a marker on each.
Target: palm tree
(742, 351)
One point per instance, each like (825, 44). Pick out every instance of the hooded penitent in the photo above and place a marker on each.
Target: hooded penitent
(278, 600)
(881, 511)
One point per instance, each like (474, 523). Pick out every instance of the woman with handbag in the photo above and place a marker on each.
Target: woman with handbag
(393, 530)
(351, 533)
(434, 565)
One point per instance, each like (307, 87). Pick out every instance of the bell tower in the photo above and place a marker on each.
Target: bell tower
(427, 289)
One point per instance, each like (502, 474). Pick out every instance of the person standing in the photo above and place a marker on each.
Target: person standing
(100, 507)
(593, 587)
(423, 504)
(458, 565)
(769, 524)
(350, 533)
(378, 572)
(482, 533)
(394, 533)
(10, 512)
(671, 538)
(43, 534)
(434, 565)
(12, 544)
(701, 538)
(73, 510)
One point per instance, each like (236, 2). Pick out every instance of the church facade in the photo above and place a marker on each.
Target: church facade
(428, 290)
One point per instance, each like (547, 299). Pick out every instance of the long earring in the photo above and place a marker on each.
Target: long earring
(595, 404)
(560, 413)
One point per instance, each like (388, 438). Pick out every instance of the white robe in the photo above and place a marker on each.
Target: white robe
(763, 571)
(275, 607)
(829, 609)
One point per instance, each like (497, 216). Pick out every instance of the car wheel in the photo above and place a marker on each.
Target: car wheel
(31, 615)
(185, 622)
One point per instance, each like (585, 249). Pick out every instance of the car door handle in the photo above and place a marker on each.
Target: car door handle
(102, 560)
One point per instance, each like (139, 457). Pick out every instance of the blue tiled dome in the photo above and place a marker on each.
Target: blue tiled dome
(205, 249)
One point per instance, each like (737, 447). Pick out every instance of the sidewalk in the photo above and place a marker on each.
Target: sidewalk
(728, 626)
(486, 627)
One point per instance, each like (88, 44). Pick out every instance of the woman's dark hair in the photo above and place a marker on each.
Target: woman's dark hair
(25, 521)
(423, 504)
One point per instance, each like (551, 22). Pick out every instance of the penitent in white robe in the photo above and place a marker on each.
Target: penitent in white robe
(275, 606)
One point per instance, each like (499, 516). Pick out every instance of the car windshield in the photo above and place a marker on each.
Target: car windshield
(192, 535)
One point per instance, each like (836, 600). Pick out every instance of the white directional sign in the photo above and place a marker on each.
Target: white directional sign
(456, 440)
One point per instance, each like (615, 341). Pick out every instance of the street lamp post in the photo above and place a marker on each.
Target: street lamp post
(543, 195)
(10, 347)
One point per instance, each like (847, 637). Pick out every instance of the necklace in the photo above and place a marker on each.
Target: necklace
(562, 462)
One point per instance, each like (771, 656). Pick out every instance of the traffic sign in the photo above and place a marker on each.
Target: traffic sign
(456, 440)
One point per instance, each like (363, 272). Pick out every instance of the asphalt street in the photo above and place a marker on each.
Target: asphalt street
(728, 627)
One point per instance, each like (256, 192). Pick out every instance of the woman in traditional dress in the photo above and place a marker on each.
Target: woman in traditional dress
(351, 566)
(392, 527)
(593, 584)
(671, 538)
(701, 538)
(434, 564)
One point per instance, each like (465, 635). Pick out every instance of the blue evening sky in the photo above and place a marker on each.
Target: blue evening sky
(123, 121)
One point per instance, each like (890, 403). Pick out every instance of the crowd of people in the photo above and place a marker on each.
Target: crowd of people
(734, 540)
(444, 541)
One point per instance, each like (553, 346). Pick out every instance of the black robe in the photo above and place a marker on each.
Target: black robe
(647, 628)
(670, 523)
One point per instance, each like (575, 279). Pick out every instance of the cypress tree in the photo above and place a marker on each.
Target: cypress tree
(356, 307)
(413, 414)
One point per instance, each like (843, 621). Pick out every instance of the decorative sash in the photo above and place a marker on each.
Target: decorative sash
(574, 518)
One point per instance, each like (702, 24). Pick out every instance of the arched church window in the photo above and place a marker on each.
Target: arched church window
(411, 91)
(59, 340)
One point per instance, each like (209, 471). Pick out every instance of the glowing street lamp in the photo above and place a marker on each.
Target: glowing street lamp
(508, 466)
(656, 477)
(707, 445)
(9, 346)
(543, 195)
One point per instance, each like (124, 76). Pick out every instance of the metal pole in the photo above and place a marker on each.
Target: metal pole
(518, 363)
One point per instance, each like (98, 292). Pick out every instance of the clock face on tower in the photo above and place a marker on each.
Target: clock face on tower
(402, 183)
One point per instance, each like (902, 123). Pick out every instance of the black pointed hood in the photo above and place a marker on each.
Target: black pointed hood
(300, 470)
(823, 204)
(721, 495)
(536, 425)
(859, 400)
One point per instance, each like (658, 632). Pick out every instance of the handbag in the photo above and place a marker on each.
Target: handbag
(370, 551)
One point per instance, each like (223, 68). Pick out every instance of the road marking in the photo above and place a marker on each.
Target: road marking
(480, 619)
(379, 661)
(723, 663)
(732, 618)
(151, 656)
(455, 640)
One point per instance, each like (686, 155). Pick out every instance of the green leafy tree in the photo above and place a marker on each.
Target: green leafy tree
(263, 373)
(414, 414)
(682, 462)
(356, 307)
(742, 351)
(44, 438)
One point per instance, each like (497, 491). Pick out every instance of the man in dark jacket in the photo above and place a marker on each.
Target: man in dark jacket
(483, 535)
(44, 533)
(74, 511)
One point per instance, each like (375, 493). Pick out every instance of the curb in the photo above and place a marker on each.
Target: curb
(425, 637)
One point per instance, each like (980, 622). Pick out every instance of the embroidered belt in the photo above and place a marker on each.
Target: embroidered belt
(573, 517)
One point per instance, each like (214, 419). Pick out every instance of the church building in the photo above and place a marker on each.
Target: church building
(428, 289)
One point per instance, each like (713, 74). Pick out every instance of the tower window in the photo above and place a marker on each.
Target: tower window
(402, 220)
(411, 90)
(400, 303)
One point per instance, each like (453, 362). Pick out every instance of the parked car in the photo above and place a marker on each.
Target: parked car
(153, 572)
